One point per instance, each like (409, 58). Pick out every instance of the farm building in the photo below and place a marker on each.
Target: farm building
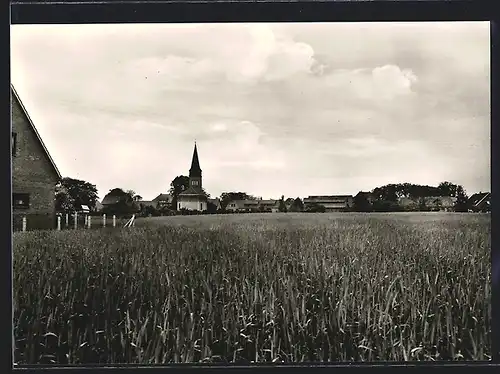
(434, 203)
(193, 198)
(163, 200)
(332, 203)
(34, 173)
(480, 202)
(253, 205)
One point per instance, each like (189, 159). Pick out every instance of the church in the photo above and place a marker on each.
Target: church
(193, 198)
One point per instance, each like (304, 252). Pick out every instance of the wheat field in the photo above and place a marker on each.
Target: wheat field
(256, 288)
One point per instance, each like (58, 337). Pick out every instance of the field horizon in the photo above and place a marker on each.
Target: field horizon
(263, 287)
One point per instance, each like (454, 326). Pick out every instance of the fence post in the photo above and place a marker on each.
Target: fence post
(58, 223)
(104, 220)
(76, 220)
(67, 220)
(24, 223)
(89, 221)
(114, 220)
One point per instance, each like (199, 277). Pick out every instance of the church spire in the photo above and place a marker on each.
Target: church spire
(195, 170)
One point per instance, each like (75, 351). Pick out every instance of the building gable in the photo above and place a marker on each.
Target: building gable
(21, 125)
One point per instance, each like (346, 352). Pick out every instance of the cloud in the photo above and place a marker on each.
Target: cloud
(275, 108)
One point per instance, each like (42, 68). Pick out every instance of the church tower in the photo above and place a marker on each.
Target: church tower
(195, 171)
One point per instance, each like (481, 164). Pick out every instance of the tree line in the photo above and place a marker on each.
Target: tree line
(72, 193)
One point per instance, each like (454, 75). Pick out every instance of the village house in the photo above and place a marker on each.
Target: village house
(163, 200)
(193, 198)
(34, 173)
(241, 206)
(433, 203)
(480, 202)
(332, 203)
(251, 205)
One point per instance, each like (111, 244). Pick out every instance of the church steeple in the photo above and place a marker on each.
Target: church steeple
(195, 170)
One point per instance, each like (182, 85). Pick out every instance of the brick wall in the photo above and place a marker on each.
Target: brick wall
(32, 173)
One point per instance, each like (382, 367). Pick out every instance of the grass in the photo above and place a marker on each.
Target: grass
(256, 288)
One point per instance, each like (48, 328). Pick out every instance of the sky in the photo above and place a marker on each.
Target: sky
(275, 109)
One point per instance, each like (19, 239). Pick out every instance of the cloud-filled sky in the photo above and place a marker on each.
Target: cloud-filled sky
(292, 109)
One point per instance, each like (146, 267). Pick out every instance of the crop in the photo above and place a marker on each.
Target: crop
(256, 288)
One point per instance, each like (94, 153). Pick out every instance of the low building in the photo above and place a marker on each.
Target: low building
(251, 205)
(34, 173)
(241, 206)
(432, 203)
(331, 203)
(163, 200)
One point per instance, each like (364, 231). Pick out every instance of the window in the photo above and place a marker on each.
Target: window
(195, 183)
(20, 200)
(179, 206)
(201, 206)
(14, 143)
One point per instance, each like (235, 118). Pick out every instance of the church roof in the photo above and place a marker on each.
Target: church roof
(195, 170)
(193, 191)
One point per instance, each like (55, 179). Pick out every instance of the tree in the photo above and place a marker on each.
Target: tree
(124, 205)
(448, 189)
(211, 207)
(361, 203)
(138, 198)
(315, 208)
(178, 185)
(282, 205)
(227, 197)
(422, 206)
(71, 194)
(64, 201)
(297, 205)
(462, 200)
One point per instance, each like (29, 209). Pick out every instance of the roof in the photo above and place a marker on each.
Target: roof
(268, 202)
(327, 199)
(146, 203)
(478, 198)
(195, 170)
(25, 112)
(241, 204)
(163, 197)
(192, 191)
(429, 200)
